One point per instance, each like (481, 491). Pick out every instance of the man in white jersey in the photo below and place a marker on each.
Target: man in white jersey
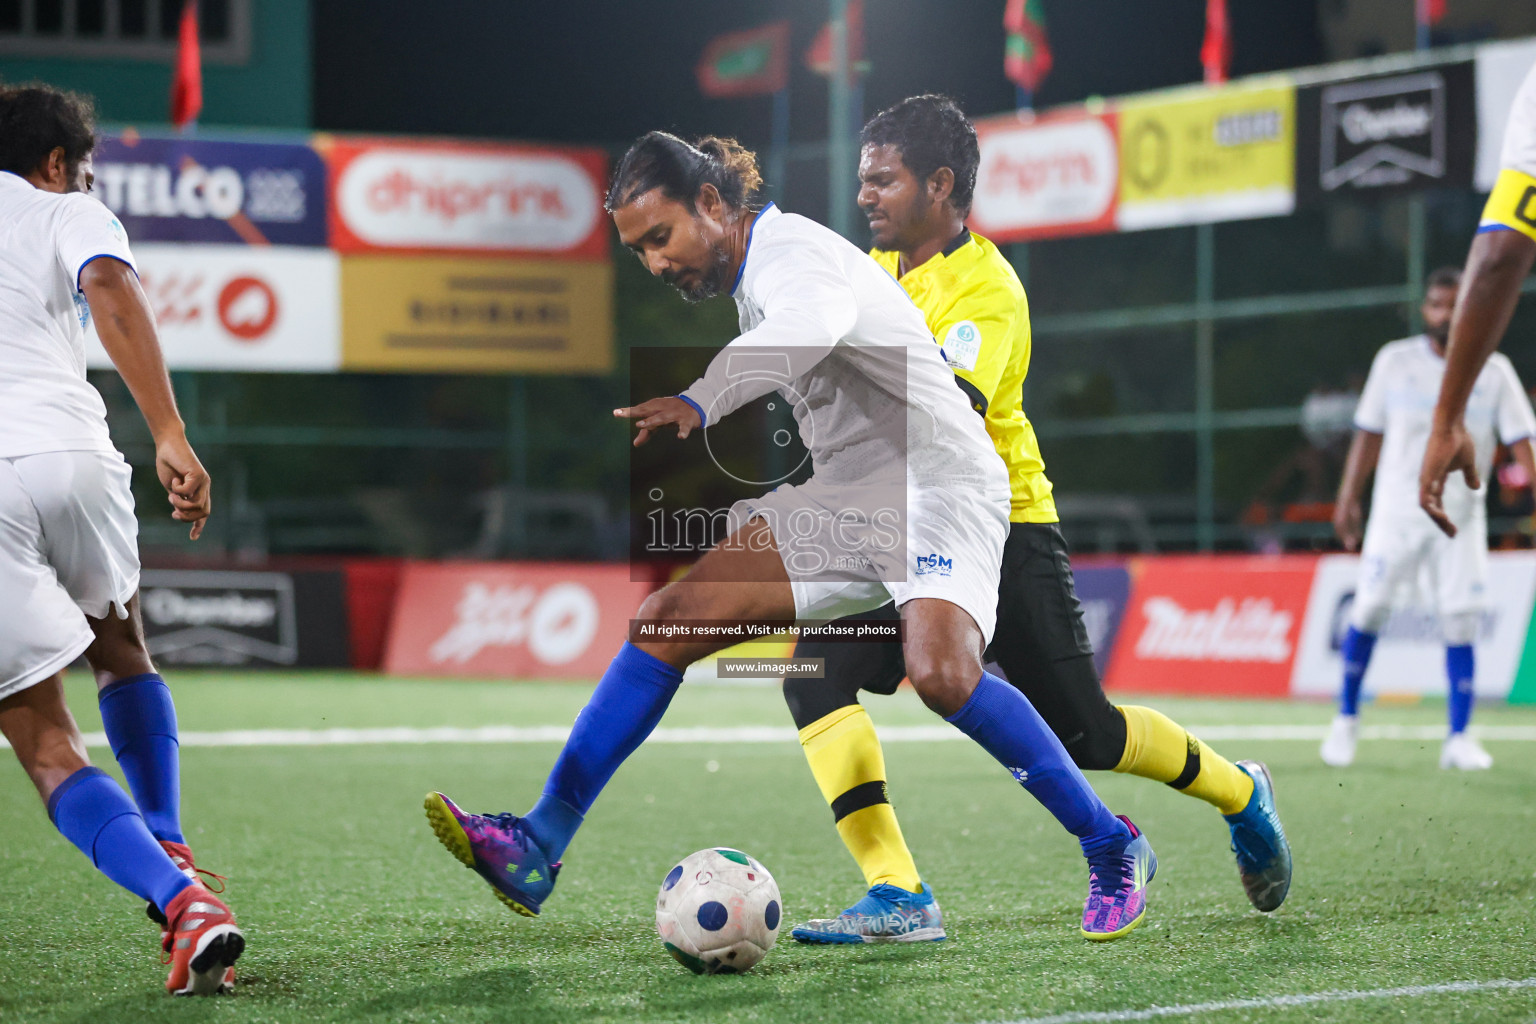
(69, 567)
(1500, 258)
(1402, 546)
(908, 500)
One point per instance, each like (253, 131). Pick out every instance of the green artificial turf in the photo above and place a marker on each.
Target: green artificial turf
(1406, 875)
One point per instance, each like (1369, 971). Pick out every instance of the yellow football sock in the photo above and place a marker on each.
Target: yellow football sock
(846, 759)
(1157, 747)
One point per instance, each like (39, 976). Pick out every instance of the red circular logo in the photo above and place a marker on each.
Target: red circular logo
(247, 308)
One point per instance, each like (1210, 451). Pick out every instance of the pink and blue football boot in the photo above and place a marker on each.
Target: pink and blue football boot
(1117, 887)
(500, 848)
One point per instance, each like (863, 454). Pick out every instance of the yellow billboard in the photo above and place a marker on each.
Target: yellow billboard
(425, 314)
(1205, 154)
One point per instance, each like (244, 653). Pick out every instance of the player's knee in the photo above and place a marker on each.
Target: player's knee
(119, 650)
(1369, 618)
(811, 700)
(1459, 628)
(943, 679)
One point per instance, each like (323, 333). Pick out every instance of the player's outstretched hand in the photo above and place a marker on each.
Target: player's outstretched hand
(659, 412)
(1450, 449)
(186, 482)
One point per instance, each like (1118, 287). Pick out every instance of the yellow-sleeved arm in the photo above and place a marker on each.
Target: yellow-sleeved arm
(1512, 204)
(977, 335)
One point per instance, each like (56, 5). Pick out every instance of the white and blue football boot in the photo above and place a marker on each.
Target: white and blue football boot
(887, 913)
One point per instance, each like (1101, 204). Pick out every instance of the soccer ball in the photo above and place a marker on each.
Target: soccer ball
(718, 912)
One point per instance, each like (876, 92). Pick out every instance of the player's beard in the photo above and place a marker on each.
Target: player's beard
(1441, 333)
(711, 277)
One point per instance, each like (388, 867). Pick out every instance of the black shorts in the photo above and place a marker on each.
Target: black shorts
(1040, 643)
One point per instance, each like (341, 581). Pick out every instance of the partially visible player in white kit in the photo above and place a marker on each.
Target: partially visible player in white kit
(1497, 263)
(1402, 545)
(69, 563)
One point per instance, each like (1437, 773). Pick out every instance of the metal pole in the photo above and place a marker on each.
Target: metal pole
(517, 463)
(1416, 260)
(778, 150)
(840, 166)
(1205, 387)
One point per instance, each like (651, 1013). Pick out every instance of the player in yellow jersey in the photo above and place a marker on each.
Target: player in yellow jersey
(917, 173)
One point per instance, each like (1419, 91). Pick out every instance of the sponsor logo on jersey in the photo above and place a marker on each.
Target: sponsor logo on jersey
(1253, 630)
(962, 346)
(934, 565)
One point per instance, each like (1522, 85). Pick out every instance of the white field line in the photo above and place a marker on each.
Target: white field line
(754, 734)
(1271, 1002)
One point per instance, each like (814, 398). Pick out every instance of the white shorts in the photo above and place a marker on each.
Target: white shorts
(1407, 560)
(951, 546)
(68, 549)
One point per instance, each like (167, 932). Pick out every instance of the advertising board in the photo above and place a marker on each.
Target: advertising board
(531, 620)
(1199, 155)
(249, 308)
(1047, 177)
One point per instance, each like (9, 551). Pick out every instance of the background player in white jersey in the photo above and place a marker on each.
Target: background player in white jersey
(1402, 547)
(69, 565)
(1500, 258)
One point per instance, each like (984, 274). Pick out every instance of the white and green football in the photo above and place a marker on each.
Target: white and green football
(718, 912)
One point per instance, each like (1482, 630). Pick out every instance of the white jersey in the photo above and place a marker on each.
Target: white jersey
(1399, 403)
(46, 239)
(825, 326)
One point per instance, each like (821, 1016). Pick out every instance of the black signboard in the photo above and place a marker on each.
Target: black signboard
(1386, 133)
(267, 619)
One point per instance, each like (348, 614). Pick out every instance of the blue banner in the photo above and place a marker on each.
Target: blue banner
(1104, 592)
(194, 190)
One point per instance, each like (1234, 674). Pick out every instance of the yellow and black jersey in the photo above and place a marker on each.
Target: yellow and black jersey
(976, 309)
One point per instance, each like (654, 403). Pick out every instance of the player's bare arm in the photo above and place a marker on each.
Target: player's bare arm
(1496, 265)
(126, 326)
(659, 412)
(1348, 518)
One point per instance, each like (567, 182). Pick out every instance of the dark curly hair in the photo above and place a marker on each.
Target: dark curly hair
(1443, 277)
(664, 161)
(931, 131)
(36, 119)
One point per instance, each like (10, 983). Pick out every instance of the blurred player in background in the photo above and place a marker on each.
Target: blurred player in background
(69, 563)
(917, 172)
(879, 411)
(1392, 427)
(1500, 258)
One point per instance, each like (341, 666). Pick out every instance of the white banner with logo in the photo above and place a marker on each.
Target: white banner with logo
(1501, 67)
(1410, 655)
(1044, 178)
(252, 308)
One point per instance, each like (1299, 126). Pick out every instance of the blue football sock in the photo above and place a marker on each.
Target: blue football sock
(96, 815)
(625, 707)
(1458, 668)
(1356, 649)
(1008, 727)
(140, 722)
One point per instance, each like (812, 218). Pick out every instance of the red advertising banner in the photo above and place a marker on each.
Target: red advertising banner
(417, 196)
(520, 620)
(1226, 626)
(1046, 177)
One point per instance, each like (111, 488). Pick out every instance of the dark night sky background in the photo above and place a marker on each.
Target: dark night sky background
(604, 71)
